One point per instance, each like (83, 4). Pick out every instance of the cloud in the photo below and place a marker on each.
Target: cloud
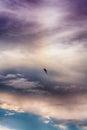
(11, 76)
(67, 107)
(18, 3)
(9, 113)
(46, 119)
(1, 76)
(60, 39)
(79, 8)
(49, 34)
(18, 82)
(61, 127)
(21, 83)
(33, 21)
(5, 128)
(31, 24)
(68, 64)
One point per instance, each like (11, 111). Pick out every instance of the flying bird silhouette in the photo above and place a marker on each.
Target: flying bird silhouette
(45, 70)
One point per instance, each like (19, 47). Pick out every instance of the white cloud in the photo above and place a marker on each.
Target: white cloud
(9, 113)
(5, 128)
(10, 76)
(46, 119)
(62, 127)
(21, 83)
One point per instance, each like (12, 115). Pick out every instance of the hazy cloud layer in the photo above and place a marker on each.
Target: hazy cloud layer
(67, 107)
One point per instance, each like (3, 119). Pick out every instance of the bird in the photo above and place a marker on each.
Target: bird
(45, 70)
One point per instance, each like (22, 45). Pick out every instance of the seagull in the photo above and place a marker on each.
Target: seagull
(45, 70)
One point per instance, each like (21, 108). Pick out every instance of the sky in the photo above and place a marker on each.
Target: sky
(38, 34)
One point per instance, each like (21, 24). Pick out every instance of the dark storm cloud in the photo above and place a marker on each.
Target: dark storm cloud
(77, 19)
(79, 8)
(14, 29)
(9, 24)
(23, 29)
(20, 3)
(18, 25)
(80, 36)
(35, 82)
(76, 10)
